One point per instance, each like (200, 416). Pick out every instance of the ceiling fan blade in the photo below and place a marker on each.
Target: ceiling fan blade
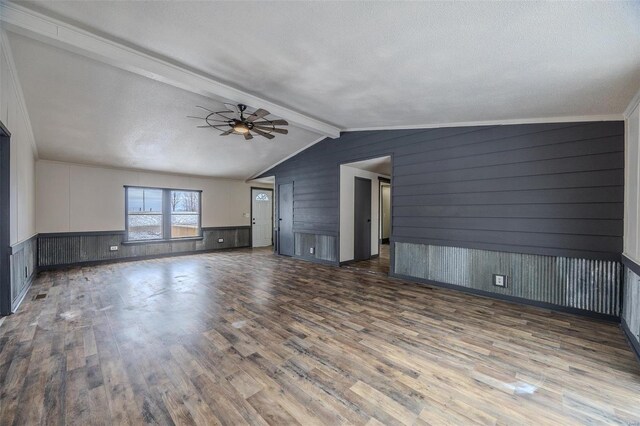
(272, 129)
(261, 133)
(228, 132)
(272, 123)
(259, 113)
(247, 136)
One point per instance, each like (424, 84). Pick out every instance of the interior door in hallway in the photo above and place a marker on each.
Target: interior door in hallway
(261, 217)
(362, 225)
(285, 219)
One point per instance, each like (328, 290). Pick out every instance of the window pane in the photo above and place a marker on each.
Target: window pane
(185, 214)
(145, 214)
(145, 200)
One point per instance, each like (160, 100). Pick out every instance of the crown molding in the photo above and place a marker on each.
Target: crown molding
(565, 119)
(22, 105)
(41, 27)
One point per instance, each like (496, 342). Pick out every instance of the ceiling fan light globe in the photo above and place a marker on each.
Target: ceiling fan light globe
(240, 128)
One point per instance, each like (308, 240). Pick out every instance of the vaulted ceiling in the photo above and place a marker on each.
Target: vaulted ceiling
(84, 111)
(346, 65)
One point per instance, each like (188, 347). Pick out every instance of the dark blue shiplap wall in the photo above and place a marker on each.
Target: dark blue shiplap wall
(548, 189)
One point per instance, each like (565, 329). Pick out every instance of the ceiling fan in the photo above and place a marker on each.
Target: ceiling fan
(234, 121)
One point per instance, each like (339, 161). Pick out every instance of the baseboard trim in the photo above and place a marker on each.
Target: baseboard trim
(133, 259)
(513, 299)
(633, 342)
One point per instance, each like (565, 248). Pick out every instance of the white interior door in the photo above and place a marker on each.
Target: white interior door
(262, 219)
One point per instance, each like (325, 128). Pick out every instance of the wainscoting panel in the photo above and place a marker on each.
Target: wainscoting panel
(73, 248)
(631, 308)
(590, 285)
(23, 268)
(324, 246)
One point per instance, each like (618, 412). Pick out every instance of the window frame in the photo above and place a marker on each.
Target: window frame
(166, 215)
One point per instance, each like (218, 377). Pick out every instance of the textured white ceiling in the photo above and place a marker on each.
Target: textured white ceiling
(354, 64)
(87, 112)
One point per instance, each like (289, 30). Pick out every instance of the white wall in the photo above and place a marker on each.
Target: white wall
(632, 185)
(347, 214)
(14, 116)
(77, 198)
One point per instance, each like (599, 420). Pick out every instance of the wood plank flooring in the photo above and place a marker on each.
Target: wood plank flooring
(245, 337)
(377, 265)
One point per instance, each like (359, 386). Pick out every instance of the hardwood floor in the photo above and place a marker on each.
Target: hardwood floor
(247, 337)
(377, 265)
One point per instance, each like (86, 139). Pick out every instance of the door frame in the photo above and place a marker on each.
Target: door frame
(5, 218)
(346, 162)
(251, 211)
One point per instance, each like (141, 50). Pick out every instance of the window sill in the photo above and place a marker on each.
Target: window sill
(172, 240)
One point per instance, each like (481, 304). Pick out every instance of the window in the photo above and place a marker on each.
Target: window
(144, 214)
(161, 214)
(262, 197)
(185, 214)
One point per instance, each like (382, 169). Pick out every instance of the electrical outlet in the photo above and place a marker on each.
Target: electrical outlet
(499, 280)
(311, 250)
(221, 240)
(113, 248)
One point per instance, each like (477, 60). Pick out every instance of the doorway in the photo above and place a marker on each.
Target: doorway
(363, 211)
(285, 219)
(261, 217)
(5, 209)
